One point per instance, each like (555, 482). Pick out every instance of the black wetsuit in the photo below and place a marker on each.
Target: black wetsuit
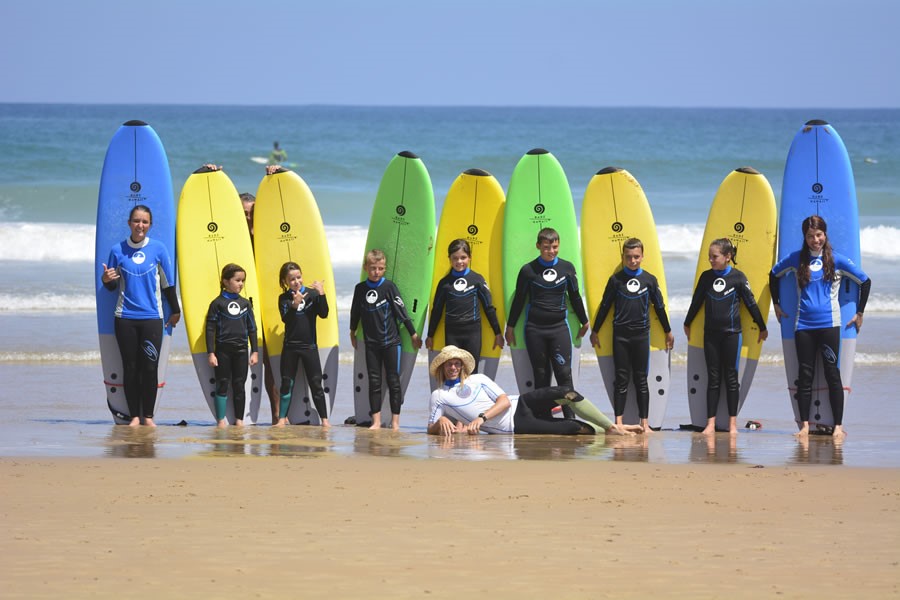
(300, 346)
(632, 293)
(229, 323)
(378, 306)
(459, 295)
(721, 294)
(547, 337)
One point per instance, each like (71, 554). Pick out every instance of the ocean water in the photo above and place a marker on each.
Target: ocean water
(53, 154)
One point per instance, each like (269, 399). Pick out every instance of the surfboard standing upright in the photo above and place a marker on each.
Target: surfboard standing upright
(135, 171)
(212, 232)
(473, 211)
(818, 180)
(539, 196)
(287, 226)
(615, 209)
(743, 211)
(403, 226)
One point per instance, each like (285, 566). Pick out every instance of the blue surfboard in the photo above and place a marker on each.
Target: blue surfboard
(818, 180)
(135, 171)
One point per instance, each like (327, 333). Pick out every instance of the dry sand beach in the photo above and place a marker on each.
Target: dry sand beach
(375, 527)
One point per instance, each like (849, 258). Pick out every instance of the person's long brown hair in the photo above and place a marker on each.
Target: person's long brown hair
(815, 222)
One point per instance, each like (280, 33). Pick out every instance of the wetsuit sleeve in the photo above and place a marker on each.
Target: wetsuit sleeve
(750, 302)
(437, 308)
(606, 303)
(774, 288)
(251, 329)
(285, 307)
(400, 311)
(211, 322)
(322, 306)
(575, 297)
(660, 307)
(355, 309)
(697, 299)
(172, 298)
(864, 288)
(518, 302)
(487, 303)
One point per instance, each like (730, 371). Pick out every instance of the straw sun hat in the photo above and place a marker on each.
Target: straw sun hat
(447, 353)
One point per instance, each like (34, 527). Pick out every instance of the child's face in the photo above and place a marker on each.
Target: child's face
(632, 258)
(139, 223)
(717, 260)
(815, 239)
(236, 283)
(293, 280)
(548, 250)
(375, 269)
(459, 260)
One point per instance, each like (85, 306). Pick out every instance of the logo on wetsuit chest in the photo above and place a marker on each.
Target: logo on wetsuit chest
(719, 287)
(460, 285)
(371, 296)
(549, 275)
(234, 308)
(464, 391)
(138, 257)
(633, 286)
(815, 264)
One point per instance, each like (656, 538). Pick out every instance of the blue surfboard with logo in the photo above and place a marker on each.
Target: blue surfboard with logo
(135, 171)
(818, 180)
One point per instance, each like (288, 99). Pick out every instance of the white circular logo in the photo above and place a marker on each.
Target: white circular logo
(371, 296)
(719, 285)
(139, 257)
(234, 308)
(815, 265)
(464, 391)
(549, 275)
(460, 284)
(633, 285)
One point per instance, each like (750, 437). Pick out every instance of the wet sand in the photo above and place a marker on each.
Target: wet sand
(363, 526)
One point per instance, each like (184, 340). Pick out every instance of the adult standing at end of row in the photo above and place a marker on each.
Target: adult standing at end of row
(140, 271)
(817, 328)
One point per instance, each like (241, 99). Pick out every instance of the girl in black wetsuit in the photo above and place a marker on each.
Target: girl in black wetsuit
(720, 290)
(300, 306)
(459, 294)
(229, 323)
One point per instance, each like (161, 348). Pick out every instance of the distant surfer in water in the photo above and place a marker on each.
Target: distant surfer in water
(278, 155)
(140, 271)
(817, 326)
(472, 403)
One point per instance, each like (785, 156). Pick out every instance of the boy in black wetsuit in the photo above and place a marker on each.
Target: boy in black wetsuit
(631, 291)
(377, 303)
(547, 282)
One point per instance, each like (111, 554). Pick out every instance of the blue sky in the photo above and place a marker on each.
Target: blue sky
(702, 53)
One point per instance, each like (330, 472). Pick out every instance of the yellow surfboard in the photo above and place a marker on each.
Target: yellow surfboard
(287, 226)
(743, 211)
(212, 232)
(473, 211)
(615, 209)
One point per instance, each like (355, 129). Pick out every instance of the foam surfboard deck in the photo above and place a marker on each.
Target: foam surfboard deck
(212, 232)
(135, 171)
(818, 180)
(615, 209)
(403, 226)
(743, 211)
(473, 211)
(539, 196)
(287, 226)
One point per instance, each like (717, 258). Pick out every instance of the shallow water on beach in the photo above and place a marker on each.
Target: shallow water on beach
(80, 426)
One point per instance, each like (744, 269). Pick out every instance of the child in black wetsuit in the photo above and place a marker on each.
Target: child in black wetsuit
(299, 307)
(720, 290)
(547, 282)
(229, 323)
(378, 306)
(631, 291)
(461, 294)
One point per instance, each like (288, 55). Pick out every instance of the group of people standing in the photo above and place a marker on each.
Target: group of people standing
(140, 271)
